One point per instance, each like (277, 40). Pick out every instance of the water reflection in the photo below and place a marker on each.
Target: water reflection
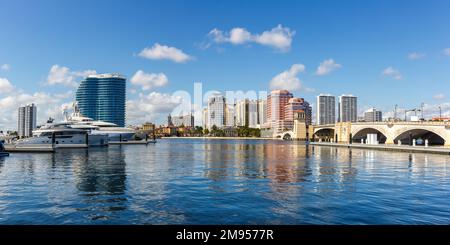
(100, 179)
(224, 182)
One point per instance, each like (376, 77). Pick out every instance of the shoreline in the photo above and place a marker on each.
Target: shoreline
(220, 138)
(383, 147)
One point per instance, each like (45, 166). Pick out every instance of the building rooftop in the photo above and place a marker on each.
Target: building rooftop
(280, 91)
(107, 75)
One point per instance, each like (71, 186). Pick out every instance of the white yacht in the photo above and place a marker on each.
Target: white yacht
(114, 132)
(63, 135)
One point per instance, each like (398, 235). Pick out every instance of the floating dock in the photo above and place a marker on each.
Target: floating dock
(36, 148)
(402, 148)
(49, 148)
(44, 148)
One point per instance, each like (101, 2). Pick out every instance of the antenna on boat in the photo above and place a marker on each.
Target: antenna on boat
(65, 113)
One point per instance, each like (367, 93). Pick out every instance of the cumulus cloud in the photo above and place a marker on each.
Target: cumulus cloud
(416, 56)
(5, 86)
(288, 79)
(429, 111)
(432, 110)
(48, 105)
(149, 80)
(61, 75)
(5, 67)
(439, 96)
(150, 107)
(391, 72)
(327, 66)
(161, 52)
(278, 37)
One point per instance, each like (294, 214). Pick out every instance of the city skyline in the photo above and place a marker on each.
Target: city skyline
(403, 59)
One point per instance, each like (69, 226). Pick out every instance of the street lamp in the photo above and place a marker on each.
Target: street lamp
(440, 113)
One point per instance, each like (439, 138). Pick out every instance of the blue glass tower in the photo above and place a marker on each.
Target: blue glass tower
(102, 97)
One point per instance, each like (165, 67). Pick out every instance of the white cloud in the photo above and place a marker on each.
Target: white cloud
(149, 80)
(416, 56)
(61, 75)
(151, 107)
(5, 67)
(160, 52)
(391, 72)
(447, 51)
(429, 111)
(278, 37)
(5, 86)
(288, 79)
(432, 110)
(48, 105)
(327, 66)
(439, 96)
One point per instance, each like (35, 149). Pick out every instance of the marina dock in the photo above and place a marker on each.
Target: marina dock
(49, 148)
(31, 148)
(384, 147)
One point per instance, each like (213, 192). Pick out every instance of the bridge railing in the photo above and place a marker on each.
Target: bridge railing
(438, 123)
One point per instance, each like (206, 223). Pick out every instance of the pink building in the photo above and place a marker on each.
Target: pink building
(276, 104)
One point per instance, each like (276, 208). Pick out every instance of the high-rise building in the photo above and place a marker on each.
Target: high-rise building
(276, 102)
(348, 111)
(205, 118)
(169, 121)
(241, 112)
(216, 111)
(229, 115)
(262, 112)
(296, 105)
(251, 113)
(186, 120)
(102, 97)
(26, 120)
(326, 109)
(373, 115)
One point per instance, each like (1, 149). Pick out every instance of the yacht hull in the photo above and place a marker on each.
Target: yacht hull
(93, 140)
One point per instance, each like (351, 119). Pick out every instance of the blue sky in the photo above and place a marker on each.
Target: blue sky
(407, 40)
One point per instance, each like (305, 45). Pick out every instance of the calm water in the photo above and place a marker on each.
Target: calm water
(183, 181)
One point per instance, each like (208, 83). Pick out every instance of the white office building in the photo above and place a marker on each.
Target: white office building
(262, 112)
(26, 120)
(229, 115)
(373, 115)
(216, 111)
(326, 109)
(348, 110)
(205, 118)
(247, 113)
(186, 120)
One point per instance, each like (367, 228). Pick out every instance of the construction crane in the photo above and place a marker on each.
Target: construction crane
(415, 110)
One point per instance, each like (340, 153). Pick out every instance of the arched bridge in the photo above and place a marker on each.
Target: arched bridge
(437, 133)
(286, 135)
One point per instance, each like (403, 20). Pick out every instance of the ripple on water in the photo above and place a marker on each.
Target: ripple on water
(224, 182)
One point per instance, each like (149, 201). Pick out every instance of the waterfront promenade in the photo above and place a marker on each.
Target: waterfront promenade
(387, 147)
(384, 147)
(220, 138)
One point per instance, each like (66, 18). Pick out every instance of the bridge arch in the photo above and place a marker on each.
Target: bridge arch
(361, 133)
(406, 136)
(325, 134)
(287, 136)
